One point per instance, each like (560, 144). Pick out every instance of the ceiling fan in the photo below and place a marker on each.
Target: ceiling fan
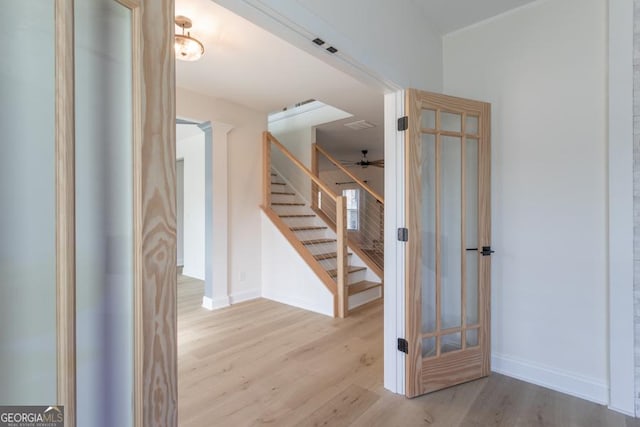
(364, 162)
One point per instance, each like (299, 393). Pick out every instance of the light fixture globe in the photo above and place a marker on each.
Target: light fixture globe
(187, 48)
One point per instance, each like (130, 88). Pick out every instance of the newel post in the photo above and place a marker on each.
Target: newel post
(266, 169)
(341, 231)
(314, 171)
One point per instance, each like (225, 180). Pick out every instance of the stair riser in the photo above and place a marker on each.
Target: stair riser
(356, 277)
(364, 297)
(302, 222)
(312, 234)
(283, 198)
(322, 248)
(331, 263)
(290, 209)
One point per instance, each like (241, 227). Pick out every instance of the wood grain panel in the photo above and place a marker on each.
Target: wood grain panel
(484, 235)
(413, 294)
(343, 409)
(155, 225)
(451, 369)
(65, 210)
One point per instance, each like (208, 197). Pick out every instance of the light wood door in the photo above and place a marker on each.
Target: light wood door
(448, 249)
(115, 211)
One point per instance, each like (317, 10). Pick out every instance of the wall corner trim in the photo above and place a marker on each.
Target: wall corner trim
(214, 304)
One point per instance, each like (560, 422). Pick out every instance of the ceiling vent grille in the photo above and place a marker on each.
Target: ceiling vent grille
(359, 125)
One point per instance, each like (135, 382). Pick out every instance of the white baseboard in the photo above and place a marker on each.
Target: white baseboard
(554, 379)
(245, 295)
(288, 299)
(213, 304)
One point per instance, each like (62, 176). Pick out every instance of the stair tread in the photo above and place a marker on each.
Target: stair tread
(364, 285)
(297, 216)
(352, 269)
(310, 227)
(317, 241)
(328, 255)
(287, 204)
(283, 193)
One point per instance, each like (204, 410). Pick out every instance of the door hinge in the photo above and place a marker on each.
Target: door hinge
(403, 234)
(403, 123)
(403, 345)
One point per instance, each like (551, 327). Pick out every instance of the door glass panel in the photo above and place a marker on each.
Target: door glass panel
(428, 237)
(428, 347)
(471, 125)
(428, 119)
(104, 223)
(451, 235)
(471, 235)
(472, 337)
(27, 214)
(450, 342)
(451, 122)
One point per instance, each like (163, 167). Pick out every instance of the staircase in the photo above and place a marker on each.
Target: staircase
(343, 266)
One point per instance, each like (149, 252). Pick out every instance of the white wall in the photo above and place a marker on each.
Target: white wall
(543, 68)
(191, 151)
(298, 141)
(286, 277)
(377, 41)
(297, 133)
(245, 183)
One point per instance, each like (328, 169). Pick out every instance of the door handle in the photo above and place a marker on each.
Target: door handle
(486, 250)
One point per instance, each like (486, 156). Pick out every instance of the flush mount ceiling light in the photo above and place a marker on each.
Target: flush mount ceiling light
(187, 47)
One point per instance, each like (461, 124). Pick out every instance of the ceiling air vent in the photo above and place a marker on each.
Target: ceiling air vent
(359, 125)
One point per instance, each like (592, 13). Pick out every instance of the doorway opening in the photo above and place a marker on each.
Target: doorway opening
(255, 329)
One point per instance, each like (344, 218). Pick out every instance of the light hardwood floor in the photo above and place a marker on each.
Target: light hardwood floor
(265, 363)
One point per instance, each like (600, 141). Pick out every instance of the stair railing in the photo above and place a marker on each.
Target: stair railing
(276, 157)
(365, 227)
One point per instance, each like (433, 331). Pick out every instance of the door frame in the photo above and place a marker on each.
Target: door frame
(620, 209)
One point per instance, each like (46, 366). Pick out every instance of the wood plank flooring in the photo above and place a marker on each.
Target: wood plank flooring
(264, 363)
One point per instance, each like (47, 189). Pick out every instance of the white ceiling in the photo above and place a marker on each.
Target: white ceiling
(249, 66)
(450, 15)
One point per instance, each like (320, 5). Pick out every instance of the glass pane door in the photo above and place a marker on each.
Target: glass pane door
(447, 276)
(104, 213)
(27, 213)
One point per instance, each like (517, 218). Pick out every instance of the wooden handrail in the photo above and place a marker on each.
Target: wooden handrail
(339, 287)
(300, 166)
(349, 174)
